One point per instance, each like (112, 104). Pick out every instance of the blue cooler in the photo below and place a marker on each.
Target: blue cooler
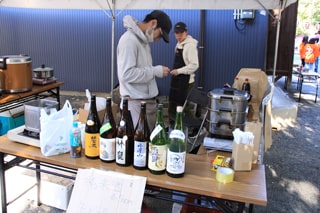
(11, 119)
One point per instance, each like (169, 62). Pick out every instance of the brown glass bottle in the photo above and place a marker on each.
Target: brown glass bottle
(158, 145)
(108, 133)
(125, 137)
(141, 140)
(91, 134)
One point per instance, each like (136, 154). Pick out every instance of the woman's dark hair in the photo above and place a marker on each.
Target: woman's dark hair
(305, 39)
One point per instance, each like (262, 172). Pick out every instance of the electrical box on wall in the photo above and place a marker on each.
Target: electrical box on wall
(247, 14)
(243, 14)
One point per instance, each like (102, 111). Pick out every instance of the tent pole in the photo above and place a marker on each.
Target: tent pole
(112, 43)
(201, 48)
(276, 46)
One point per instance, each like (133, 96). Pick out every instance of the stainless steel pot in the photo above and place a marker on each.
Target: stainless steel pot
(43, 72)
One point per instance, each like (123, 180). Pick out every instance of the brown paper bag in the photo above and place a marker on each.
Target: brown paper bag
(242, 156)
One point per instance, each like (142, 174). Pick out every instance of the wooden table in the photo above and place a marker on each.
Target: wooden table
(312, 77)
(247, 187)
(13, 100)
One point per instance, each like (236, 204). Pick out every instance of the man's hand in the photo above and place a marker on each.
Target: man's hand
(166, 71)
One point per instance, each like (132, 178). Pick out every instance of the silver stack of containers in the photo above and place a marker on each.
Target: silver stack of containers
(227, 111)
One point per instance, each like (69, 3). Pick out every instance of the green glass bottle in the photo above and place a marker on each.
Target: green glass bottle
(158, 145)
(176, 156)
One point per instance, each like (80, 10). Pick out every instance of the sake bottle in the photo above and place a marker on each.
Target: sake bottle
(141, 140)
(158, 145)
(91, 134)
(125, 137)
(108, 133)
(176, 156)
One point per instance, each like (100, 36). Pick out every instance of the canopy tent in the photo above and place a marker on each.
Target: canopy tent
(113, 5)
(149, 4)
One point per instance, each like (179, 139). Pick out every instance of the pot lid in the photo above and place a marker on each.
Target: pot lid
(15, 59)
(43, 68)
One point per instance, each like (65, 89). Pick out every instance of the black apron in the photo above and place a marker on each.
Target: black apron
(179, 84)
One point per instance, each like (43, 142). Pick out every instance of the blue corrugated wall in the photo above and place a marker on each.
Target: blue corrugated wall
(77, 44)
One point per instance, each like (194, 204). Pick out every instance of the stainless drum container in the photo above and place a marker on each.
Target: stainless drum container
(228, 110)
(32, 113)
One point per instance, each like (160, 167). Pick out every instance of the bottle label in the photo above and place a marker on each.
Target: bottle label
(107, 149)
(176, 162)
(75, 143)
(140, 154)
(155, 131)
(105, 128)
(121, 149)
(177, 134)
(92, 144)
(157, 157)
(75, 138)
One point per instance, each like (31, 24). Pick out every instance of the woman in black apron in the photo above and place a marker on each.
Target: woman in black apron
(178, 87)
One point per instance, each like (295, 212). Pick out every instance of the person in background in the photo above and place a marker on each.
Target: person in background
(136, 73)
(311, 53)
(302, 50)
(316, 64)
(185, 65)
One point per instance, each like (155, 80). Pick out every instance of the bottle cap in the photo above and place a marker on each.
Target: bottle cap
(179, 108)
(75, 124)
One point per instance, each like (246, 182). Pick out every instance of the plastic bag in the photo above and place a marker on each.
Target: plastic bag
(55, 129)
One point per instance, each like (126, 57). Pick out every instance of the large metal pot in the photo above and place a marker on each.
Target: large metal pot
(43, 72)
(16, 73)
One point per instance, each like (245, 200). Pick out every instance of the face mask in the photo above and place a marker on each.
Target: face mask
(149, 34)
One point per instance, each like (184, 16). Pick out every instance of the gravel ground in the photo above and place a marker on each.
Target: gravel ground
(292, 163)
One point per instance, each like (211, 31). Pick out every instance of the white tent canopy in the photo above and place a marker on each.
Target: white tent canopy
(149, 4)
(156, 4)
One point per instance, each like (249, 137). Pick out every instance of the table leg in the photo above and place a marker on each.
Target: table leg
(58, 97)
(38, 177)
(3, 184)
(317, 82)
(300, 87)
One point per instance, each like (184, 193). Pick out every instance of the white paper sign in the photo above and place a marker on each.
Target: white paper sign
(98, 191)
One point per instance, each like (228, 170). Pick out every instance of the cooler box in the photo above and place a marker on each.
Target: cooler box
(11, 119)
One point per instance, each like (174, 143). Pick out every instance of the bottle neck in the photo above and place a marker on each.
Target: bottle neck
(178, 123)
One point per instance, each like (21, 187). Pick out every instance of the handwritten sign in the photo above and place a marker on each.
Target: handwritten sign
(100, 191)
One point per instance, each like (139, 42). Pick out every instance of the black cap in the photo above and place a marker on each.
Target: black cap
(180, 27)
(164, 23)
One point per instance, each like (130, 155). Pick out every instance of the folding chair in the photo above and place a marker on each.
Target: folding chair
(200, 98)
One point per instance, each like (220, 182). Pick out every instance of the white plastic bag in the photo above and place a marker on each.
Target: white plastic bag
(55, 130)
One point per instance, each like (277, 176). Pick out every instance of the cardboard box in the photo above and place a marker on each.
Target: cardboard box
(242, 156)
(83, 115)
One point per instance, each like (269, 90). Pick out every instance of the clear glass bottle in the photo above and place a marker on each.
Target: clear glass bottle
(125, 137)
(91, 134)
(158, 145)
(176, 157)
(108, 133)
(141, 140)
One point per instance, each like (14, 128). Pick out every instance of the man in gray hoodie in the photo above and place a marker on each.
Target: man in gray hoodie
(136, 73)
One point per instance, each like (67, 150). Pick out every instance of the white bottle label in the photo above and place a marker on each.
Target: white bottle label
(177, 134)
(157, 157)
(155, 131)
(107, 149)
(176, 162)
(121, 149)
(140, 154)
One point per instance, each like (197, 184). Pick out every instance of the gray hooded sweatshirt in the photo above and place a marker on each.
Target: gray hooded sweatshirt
(136, 74)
